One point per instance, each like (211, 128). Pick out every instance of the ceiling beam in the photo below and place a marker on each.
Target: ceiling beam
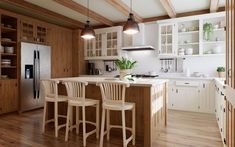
(169, 8)
(83, 10)
(123, 8)
(214, 6)
(44, 12)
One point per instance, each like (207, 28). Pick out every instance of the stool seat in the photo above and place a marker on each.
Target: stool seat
(60, 98)
(79, 102)
(119, 106)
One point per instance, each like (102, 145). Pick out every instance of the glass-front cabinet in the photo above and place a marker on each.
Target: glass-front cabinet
(166, 39)
(106, 45)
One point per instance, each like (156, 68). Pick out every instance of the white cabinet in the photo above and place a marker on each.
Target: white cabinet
(106, 45)
(220, 104)
(184, 36)
(167, 39)
(192, 95)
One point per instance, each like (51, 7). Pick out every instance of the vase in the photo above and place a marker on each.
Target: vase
(221, 74)
(124, 72)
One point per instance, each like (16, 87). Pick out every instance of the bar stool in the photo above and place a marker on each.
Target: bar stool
(51, 95)
(76, 98)
(113, 96)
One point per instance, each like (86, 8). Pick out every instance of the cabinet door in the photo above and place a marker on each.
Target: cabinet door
(89, 48)
(206, 98)
(186, 98)
(41, 34)
(167, 39)
(8, 96)
(27, 32)
(171, 96)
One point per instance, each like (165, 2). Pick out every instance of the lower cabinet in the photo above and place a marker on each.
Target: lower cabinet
(220, 109)
(8, 96)
(191, 96)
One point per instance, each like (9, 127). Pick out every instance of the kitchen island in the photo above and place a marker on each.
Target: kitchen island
(150, 97)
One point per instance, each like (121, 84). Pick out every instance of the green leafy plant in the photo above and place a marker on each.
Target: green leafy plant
(207, 31)
(220, 69)
(124, 63)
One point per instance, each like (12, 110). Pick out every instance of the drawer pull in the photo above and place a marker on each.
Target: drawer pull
(186, 83)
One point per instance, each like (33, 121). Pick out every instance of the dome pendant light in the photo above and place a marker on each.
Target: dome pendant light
(131, 27)
(88, 32)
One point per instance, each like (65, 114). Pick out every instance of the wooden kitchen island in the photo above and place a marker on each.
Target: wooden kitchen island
(150, 97)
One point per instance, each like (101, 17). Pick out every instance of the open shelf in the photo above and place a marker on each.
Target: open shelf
(7, 29)
(189, 32)
(7, 54)
(192, 43)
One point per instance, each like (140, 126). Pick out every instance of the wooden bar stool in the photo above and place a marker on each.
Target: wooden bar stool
(76, 98)
(51, 95)
(113, 96)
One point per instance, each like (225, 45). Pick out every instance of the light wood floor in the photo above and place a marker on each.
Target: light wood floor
(185, 129)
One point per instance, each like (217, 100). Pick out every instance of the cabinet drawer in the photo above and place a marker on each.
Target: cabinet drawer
(187, 83)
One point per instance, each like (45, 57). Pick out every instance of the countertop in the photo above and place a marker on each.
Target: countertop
(146, 82)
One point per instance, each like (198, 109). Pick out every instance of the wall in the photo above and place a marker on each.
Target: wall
(149, 60)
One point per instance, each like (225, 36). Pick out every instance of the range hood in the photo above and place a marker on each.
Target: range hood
(137, 41)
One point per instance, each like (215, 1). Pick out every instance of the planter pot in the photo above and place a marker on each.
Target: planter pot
(221, 74)
(124, 72)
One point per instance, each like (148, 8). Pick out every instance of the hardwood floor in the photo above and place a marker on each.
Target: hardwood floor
(185, 129)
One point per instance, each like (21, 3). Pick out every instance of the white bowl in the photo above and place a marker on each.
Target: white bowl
(189, 51)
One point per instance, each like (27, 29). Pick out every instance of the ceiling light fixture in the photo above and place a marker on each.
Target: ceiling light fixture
(88, 32)
(131, 27)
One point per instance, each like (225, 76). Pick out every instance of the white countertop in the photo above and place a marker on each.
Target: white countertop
(138, 82)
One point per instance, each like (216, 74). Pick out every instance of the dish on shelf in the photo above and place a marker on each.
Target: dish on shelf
(217, 50)
(9, 49)
(2, 49)
(6, 39)
(189, 51)
(4, 77)
(6, 62)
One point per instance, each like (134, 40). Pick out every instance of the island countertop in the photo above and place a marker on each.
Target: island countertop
(145, 82)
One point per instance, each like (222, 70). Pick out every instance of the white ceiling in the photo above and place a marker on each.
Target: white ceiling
(145, 8)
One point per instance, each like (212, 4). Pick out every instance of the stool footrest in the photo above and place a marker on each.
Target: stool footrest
(62, 116)
(120, 127)
(50, 120)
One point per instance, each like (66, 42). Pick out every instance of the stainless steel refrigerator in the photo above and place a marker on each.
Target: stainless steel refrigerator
(35, 65)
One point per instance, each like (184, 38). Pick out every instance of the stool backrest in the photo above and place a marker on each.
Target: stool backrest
(76, 89)
(113, 91)
(50, 88)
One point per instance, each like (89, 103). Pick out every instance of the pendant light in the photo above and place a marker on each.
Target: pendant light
(131, 27)
(88, 32)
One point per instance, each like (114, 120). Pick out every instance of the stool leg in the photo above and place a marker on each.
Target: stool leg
(56, 118)
(124, 128)
(71, 118)
(67, 123)
(108, 124)
(77, 120)
(102, 128)
(84, 125)
(97, 120)
(133, 125)
(44, 116)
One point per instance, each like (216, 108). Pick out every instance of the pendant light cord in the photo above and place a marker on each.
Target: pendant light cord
(131, 6)
(88, 10)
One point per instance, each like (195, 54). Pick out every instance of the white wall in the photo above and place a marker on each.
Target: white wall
(149, 61)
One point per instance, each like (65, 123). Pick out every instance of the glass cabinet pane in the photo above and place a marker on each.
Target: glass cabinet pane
(166, 39)
(112, 44)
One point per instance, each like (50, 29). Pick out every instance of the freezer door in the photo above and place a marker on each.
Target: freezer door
(28, 73)
(44, 72)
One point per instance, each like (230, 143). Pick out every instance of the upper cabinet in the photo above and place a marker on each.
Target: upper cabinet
(33, 32)
(192, 36)
(106, 45)
(166, 39)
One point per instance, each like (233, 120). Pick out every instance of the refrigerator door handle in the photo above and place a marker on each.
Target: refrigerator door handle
(34, 74)
(38, 74)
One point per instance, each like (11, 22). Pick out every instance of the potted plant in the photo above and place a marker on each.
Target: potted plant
(125, 65)
(208, 31)
(221, 72)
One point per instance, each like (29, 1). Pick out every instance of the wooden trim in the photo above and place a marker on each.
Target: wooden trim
(44, 12)
(156, 18)
(214, 6)
(167, 5)
(119, 5)
(83, 10)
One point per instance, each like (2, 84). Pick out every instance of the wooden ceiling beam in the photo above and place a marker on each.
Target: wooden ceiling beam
(169, 8)
(44, 12)
(83, 10)
(214, 6)
(123, 8)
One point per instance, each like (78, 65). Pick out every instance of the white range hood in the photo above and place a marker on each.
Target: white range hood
(137, 41)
